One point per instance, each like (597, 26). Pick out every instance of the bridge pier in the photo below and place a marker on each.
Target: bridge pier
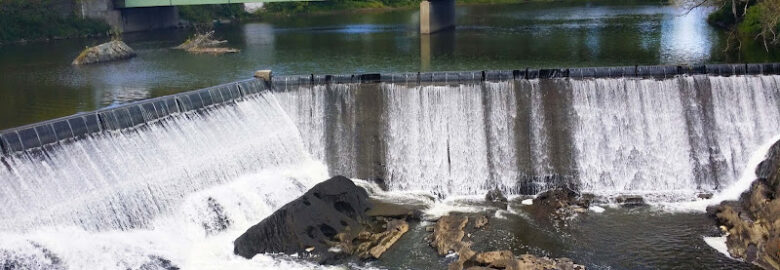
(436, 15)
(129, 19)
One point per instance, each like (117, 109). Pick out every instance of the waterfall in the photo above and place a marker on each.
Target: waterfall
(609, 136)
(179, 189)
(122, 180)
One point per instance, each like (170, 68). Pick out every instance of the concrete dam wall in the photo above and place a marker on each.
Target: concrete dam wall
(43, 135)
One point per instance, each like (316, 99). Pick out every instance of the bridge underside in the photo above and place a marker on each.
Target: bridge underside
(165, 3)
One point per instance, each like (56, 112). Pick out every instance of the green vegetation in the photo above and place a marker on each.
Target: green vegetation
(335, 5)
(38, 19)
(747, 19)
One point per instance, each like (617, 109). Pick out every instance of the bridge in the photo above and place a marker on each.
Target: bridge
(142, 15)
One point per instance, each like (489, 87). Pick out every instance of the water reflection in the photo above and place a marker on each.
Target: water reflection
(38, 82)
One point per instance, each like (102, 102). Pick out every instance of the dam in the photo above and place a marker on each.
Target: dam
(131, 175)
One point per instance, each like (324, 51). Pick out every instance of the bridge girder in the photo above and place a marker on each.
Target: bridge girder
(165, 3)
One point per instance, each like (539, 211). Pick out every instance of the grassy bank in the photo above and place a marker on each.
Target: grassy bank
(36, 20)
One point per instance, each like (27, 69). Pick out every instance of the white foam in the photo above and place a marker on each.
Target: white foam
(596, 209)
(719, 244)
(527, 202)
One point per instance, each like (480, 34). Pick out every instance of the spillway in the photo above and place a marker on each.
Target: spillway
(207, 164)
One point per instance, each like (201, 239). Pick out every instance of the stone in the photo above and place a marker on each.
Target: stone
(558, 204)
(448, 233)
(310, 221)
(480, 222)
(263, 74)
(704, 196)
(395, 229)
(531, 262)
(106, 52)
(388, 208)
(495, 259)
(497, 199)
(630, 200)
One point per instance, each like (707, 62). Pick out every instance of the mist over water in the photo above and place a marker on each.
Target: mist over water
(182, 189)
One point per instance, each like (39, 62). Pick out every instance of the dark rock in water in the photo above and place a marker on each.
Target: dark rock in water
(217, 219)
(558, 204)
(630, 200)
(704, 195)
(385, 208)
(309, 224)
(497, 198)
(753, 223)
(31, 260)
(158, 263)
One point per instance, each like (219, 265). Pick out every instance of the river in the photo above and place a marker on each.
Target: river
(38, 83)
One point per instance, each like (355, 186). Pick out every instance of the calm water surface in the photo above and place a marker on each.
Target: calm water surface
(38, 83)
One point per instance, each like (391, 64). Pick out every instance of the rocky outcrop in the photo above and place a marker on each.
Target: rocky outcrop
(106, 52)
(558, 204)
(752, 224)
(449, 235)
(205, 44)
(330, 222)
(309, 224)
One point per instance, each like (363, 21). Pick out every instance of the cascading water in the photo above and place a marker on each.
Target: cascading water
(674, 136)
(179, 191)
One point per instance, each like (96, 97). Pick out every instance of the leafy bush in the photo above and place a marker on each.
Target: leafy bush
(204, 14)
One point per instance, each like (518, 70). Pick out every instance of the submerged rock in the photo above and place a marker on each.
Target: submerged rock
(106, 52)
(497, 198)
(449, 237)
(630, 200)
(558, 204)
(753, 223)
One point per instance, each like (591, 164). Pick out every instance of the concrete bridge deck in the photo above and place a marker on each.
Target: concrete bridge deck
(166, 3)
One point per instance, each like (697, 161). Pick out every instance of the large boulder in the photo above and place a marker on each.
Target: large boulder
(753, 223)
(309, 224)
(106, 52)
(558, 204)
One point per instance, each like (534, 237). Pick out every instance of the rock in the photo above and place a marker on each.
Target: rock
(704, 196)
(448, 236)
(495, 259)
(448, 233)
(753, 222)
(388, 208)
(310, 221)
(395, 229)
(106, 52)
(531, 262)
(558, 204)
(480, 222)
(630, 200)
(497, 198)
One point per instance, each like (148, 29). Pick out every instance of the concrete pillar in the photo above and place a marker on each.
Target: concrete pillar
(436, 15)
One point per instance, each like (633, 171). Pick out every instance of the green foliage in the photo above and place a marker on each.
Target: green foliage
(35, 19)
(752, 22)
(205, 14)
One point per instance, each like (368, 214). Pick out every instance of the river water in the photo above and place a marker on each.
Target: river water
(37, 81)
(179, 191)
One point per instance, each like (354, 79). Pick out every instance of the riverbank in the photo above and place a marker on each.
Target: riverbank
(23, 21)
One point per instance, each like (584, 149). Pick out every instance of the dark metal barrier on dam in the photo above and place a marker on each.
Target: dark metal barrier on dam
(79, 126)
